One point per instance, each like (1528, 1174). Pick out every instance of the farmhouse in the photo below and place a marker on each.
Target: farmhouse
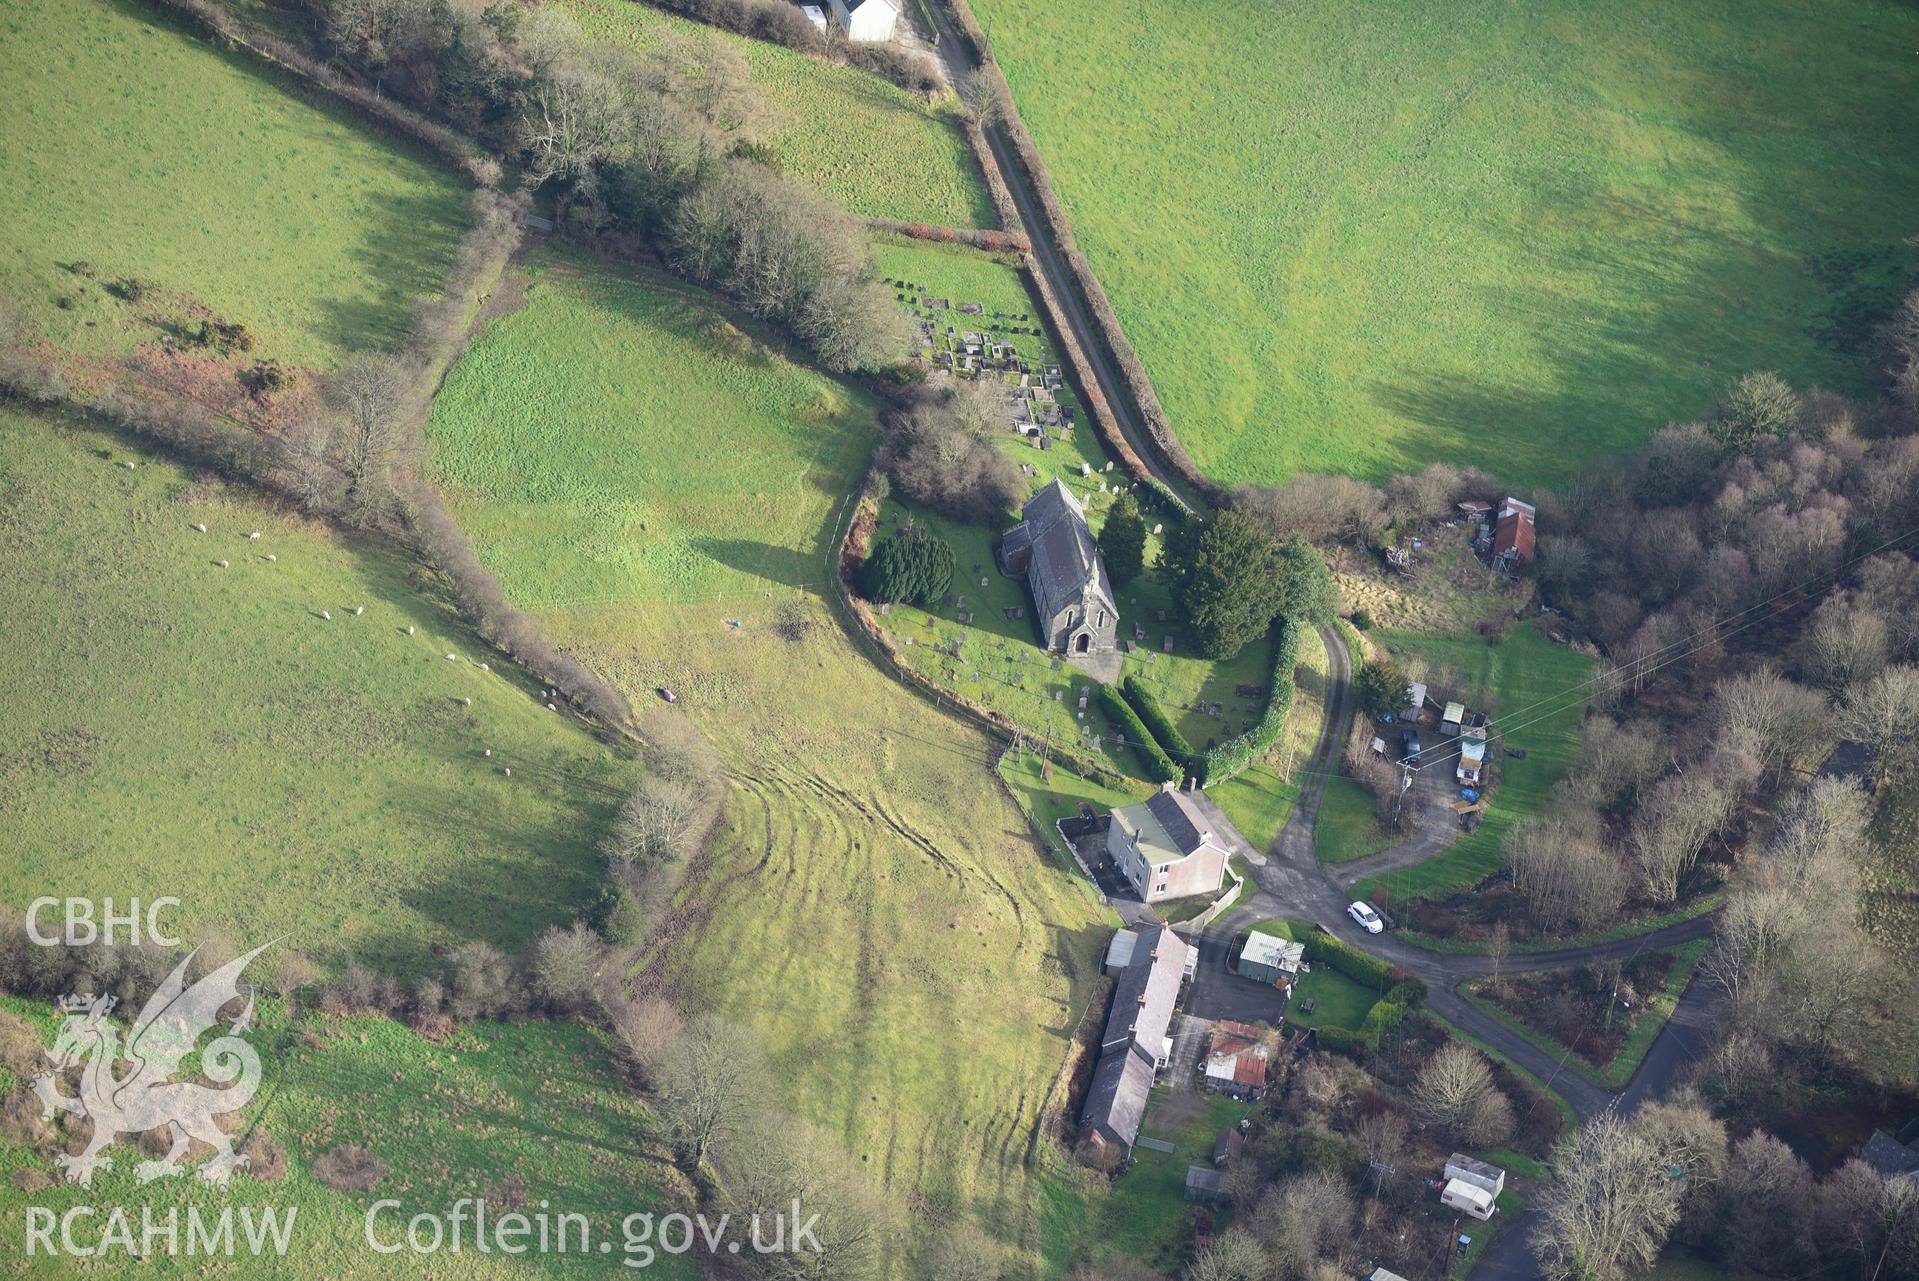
(1133, 1047)
(1267, 958)
(867, 20)
(1513, 536)
(1166, 848)
(1239, 1060)
(1072, 597)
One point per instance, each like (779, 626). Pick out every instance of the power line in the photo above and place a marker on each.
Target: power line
(1638, 670)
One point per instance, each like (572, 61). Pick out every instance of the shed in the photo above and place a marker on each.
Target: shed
(1227, 1147)
(1202, 1184)
(1239, 1060)
(1481, 1174)
(1415, 701)
(1119, 953)
(1455, 713)
(815, 15)
(1383, 1274)
(1267, 958)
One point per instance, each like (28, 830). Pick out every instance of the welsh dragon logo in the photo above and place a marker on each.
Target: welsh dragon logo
(126, 1084)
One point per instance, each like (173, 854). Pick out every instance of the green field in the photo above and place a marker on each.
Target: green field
(1528, 675)
(182, 729)
(861, 141)
(872, 887)
(616, 440)
(1362, 237)
(1260, 798)
(131, 146)
(543, 1102)
(1347, 827)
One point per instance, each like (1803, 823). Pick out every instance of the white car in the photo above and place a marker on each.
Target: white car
(1367, 918)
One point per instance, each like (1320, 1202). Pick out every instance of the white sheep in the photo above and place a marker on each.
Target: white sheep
(489, 751)
(509, 771)
(452, 658)
(326, 615)
(128, 466)
(222, 564)
(483, 667)
(466, 702)
(254, 536)
(272, 559)
(552, 707)
(409, 630)
(359, 610)
(200, 528)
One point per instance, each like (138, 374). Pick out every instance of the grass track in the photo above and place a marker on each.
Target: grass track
(131, 145)
(1361, 237)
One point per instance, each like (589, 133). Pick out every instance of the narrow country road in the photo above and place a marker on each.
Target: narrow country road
(1050, 261)
(1292, 883)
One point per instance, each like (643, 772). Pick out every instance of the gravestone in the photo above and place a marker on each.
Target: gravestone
(1169, 644)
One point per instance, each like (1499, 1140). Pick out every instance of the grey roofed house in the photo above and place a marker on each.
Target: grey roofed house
(1890, 1157)
(1132, 1047)
(1073, 604)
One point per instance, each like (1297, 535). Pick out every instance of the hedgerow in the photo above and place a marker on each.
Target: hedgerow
(1361, 967)
(1234, 755)
(1159, 766)
(1146, 703)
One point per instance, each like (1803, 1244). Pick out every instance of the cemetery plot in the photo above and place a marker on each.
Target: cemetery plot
(973, 320)
(980, 642)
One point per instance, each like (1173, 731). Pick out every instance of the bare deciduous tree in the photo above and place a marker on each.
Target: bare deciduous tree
(1612, 1204)
(1883, 713)
(1450, 1086)
(1678, 817)
(711, 1080)
(1235, 1256)
(368, 394)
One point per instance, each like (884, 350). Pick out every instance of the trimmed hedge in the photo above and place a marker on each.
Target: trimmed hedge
(1159, 766)
(1361, 967)
(1146, 703)
(1234, 755)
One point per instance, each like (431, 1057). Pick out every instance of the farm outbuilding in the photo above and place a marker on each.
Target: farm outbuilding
(1514, 535)
(1267, 958)
(868, 21)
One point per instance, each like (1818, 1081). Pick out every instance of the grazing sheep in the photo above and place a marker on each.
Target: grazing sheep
(200, 528)
(254, 536)
(128, 466)
(452, 658)
(466, 702)
(359, 610)
(509, 771)
(483, 667)
(489, 751)
(552, 707)
(271, 559)
(324, 614)
(222, 564)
